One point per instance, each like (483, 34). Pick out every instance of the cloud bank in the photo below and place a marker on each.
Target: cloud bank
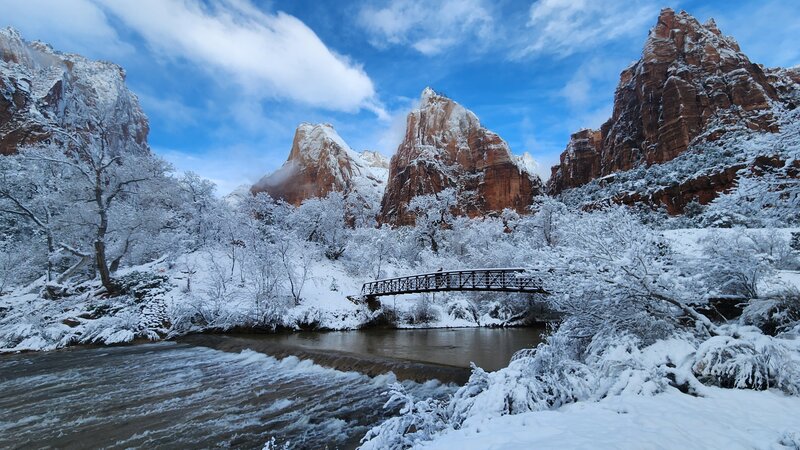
(274, 55)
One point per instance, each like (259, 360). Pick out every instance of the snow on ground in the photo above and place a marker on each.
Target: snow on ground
(724, 418)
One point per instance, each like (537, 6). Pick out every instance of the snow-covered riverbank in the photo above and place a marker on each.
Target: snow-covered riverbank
(722, 418)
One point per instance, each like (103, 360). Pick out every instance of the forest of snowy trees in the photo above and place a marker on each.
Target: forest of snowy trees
(91, 223)
(101, 247)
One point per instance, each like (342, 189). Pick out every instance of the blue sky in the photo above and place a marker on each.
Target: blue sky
(225, 83)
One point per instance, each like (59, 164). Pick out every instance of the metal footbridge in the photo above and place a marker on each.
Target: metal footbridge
(484, 280)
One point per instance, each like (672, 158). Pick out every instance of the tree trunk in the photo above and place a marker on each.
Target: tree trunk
(100, 241)
(102, 265)
(116, 262)
(50, 250)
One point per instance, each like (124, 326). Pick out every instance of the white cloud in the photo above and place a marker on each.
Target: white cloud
(268, 55)
(429, 27)
(564, 27)
(76, 26)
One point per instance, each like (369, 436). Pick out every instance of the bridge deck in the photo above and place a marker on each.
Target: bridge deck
(495, 280)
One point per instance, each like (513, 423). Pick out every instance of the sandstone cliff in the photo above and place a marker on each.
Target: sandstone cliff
(45, 94)
(446, 146)
(321, 162)
(691, 85)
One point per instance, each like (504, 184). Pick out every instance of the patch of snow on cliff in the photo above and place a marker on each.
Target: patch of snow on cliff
(527, 164)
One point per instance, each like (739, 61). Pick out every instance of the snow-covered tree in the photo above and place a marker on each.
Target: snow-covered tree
(324, 220)
(433, 213)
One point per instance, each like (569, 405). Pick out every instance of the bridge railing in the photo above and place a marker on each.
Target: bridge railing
(510, 280)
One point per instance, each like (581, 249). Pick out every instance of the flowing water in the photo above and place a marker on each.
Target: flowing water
(190, 395)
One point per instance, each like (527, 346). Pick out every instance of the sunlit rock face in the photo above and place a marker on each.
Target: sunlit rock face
(445, 146)
(46, 95)
(580, 162)
(691, 84)
(320, 162)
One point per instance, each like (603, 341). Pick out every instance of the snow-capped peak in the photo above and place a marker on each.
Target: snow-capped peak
(321, 162)
(526, 163)
(314, 137)
(374, 159)
(427, 94)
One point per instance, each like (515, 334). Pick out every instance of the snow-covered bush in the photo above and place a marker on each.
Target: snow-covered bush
(422, 312)
(749, 360)
(551, 377)
(141, 285)
(463, 309)
(735, 264)
(775, 314)
(417, 421)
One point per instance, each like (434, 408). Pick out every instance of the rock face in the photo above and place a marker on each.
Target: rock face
(445, 146)
(690, 83)
(320, 162)
(580, 162)
(45, 93)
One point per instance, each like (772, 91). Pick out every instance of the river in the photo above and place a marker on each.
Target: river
(214, 391)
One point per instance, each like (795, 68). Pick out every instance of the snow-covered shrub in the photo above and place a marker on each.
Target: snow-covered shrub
(18, 264)
(122, 327)
(733, 265)
(141, 285)
(776, 314)
(621, 368)
(775, 247)
(749, 360)
(508, 309)
(546, 380)
(387, 316)
(795, 241)
(417, 421)
(790, 440)
(422, 312)
(463, 309)
(308, 319)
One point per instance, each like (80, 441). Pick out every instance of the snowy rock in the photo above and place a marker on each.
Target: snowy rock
(45, 94)
(691, 84)
(320, 162)
(446, 146)
(378, 165)
(238, 195)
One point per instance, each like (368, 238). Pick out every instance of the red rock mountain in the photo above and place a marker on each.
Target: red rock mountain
(321, 162)
(691, 84)
(42, 91)
(446, 146)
